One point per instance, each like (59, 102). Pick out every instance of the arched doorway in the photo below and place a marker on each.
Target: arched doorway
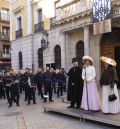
(20, 60)
(80, 51)
(110, 47)
(40, 58)
(57, 53)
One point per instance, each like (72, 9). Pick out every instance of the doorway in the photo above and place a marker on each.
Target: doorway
(110, 47)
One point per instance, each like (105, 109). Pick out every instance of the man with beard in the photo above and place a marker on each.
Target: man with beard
(75, 85)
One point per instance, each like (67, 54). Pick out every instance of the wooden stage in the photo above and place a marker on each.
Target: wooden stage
(61, 108)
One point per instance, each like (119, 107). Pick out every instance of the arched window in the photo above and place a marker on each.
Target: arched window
(57, 52)
(40, 58)
(80, 51)
(20, 60)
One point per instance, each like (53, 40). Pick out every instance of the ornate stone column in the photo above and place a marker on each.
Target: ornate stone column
(86, 40)
(63, 50)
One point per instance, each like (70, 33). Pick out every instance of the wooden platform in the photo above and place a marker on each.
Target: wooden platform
(61, 108)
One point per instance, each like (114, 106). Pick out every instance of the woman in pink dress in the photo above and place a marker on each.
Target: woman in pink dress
(90, 98)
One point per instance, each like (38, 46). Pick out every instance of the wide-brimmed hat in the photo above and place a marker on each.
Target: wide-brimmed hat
(108, 61)
(74, 60)
(87, 58)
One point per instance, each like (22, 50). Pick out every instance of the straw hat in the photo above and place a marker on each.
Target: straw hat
(108, 61)
(87, 58)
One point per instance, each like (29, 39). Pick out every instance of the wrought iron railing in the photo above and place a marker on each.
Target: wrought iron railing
(19, 33)
(4, 17)
(39, 27)
(4, 36)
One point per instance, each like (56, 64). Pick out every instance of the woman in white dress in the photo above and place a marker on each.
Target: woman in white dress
(90, 98)
(107, 81)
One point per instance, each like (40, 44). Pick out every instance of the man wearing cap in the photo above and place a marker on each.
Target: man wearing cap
(75, 85)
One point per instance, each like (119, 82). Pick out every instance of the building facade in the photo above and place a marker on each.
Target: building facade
(5, 62)
(70, 35)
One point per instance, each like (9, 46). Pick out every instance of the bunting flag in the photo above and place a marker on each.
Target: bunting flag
(101, 16)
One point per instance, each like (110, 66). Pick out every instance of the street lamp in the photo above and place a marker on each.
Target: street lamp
(44, 41)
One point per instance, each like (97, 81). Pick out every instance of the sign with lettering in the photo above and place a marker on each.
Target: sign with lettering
(102, 16)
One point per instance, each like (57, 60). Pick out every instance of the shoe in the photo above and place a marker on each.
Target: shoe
(78, 106)
(51, 100)
(70, 106)
(28, 104)
(9, 106)
(35, 103)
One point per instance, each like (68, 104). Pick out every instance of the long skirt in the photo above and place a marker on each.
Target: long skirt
(107, 106)
(90, 98)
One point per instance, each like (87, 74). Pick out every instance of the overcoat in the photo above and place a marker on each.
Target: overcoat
(75, 85)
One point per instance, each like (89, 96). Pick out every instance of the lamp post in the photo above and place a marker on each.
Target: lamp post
(44, 41)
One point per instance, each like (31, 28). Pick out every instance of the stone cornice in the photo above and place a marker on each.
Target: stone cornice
(88, 13)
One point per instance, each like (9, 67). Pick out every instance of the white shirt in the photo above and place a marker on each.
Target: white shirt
(89, 73)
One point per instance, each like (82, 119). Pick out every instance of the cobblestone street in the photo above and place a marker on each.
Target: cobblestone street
(34, 117)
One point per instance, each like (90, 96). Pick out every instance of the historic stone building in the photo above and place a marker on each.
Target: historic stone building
(70, 35)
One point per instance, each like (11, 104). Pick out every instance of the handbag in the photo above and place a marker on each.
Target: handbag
(112, 97)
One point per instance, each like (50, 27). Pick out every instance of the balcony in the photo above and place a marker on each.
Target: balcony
(5, 37)
(19, 33)
(4, 17)
(39, 27)
(73, 8)
(6, 55)
(78, 8)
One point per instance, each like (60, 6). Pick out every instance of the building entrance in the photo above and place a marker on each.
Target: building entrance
(110, 47)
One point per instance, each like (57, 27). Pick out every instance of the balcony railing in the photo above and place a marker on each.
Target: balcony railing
(39, 27)
(6, 55)
(4, 17)
(4, 36)
(19, 33)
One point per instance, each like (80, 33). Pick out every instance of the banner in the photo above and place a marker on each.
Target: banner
(102, 16)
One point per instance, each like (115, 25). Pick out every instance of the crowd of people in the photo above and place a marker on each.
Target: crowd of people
(12, 84)
(81, 90)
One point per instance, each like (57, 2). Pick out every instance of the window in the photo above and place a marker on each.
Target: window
(40, 18)
(20, 60)
(19, 23)
(5, 14)
(57, 52)
(80, 52)
(40, 58)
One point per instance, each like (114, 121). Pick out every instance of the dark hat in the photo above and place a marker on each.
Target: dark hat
(74, 60)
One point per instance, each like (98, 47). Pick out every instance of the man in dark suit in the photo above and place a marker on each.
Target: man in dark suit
(75, 85)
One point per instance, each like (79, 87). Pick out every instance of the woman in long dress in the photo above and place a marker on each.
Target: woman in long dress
(107, 81)
(90, 98)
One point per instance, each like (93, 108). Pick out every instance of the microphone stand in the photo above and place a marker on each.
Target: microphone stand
(88, 111)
